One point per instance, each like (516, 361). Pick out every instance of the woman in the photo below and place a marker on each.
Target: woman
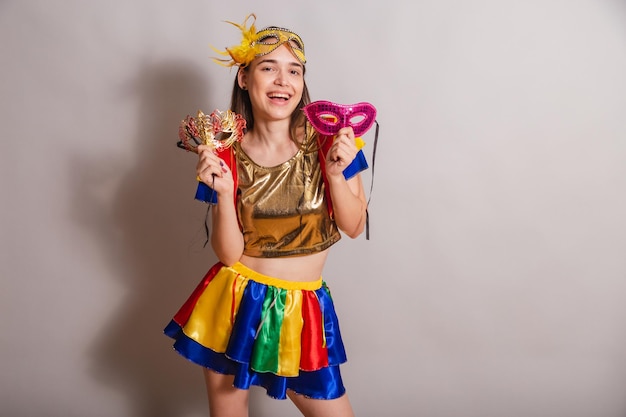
(262, 315)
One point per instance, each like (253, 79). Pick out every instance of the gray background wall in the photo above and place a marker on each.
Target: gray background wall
(494, 280)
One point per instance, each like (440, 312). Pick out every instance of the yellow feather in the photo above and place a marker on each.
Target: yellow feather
(245, 52)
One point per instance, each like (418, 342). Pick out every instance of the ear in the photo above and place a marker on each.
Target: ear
(242, 78)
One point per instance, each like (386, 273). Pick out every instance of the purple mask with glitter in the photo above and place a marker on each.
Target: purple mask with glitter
(328, 118)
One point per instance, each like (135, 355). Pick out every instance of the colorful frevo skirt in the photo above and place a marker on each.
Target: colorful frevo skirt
(277, 334)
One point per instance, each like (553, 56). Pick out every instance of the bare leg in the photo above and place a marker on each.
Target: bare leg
(224, 399)
(309, 407)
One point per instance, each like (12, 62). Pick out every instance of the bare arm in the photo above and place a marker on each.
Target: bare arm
(348, 196)
(348, 204)
(226, 238)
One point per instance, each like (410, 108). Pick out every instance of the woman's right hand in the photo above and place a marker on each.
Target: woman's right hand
(213, 171)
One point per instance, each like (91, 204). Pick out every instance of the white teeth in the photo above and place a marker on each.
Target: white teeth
(285, 96)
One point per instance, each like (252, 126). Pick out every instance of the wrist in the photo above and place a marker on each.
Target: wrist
(224, 196)
(335, 178)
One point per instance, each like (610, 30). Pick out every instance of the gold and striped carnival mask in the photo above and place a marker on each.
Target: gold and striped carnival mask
(255, 44)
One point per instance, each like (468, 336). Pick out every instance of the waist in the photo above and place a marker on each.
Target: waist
(295, 269)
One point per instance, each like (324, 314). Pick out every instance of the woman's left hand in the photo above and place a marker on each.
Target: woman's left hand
(341, 153)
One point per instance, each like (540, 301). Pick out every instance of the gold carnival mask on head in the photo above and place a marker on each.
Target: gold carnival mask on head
(255, 44)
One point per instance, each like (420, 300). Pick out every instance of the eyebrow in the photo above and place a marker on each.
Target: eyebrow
(273, 61)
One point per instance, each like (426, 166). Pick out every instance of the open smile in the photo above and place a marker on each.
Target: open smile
(280, 97)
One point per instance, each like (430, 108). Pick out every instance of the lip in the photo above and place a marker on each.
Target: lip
(279, 97)
(279, 93)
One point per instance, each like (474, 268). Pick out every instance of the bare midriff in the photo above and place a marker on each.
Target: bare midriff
(293, 268)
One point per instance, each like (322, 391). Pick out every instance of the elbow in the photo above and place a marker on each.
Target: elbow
(228, 255)
(227, 258)
(355, 230)
(353, 234)
(228, 261)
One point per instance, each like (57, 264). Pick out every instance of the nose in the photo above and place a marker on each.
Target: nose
(281, 79)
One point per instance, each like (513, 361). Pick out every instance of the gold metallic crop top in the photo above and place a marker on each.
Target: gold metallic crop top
(283, 209)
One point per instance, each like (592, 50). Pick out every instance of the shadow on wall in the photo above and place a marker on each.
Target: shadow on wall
(151, 236)
(144, 236)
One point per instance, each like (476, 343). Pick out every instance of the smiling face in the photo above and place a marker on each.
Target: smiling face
(275, 83)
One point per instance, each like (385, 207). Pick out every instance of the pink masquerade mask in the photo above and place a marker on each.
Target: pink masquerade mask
(327, 117)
